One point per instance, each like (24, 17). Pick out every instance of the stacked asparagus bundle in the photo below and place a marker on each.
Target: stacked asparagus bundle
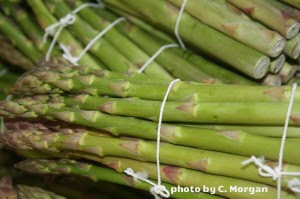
(99, 108)
(129, 55)
(251, 30)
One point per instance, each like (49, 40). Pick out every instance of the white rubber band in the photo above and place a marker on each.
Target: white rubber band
(178, 23)
(67, 55)
(69, 19)
(277, 173)
(156, 55)
(158, 189)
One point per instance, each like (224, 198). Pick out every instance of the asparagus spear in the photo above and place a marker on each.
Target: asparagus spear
(287, 72)
(186, 177)
(292, 48)
(164, 14)
(99, 146)
(186, 112)
(268, 14)
(291, 11)
(45, 19)
(26, 192)
(129, 88)
(222, 16)
(295, 3)
(268, 131)
(12, 55)
(235, 142)
(272, 80)
(96, 173)
(120, 41)
(277, 64)
(18, 39)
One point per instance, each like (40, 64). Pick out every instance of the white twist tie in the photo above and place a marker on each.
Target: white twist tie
(277, 172)
(264, 170)
(294, 185)
(69, 19)
(158, 189)
(160, 50)
(178, 23)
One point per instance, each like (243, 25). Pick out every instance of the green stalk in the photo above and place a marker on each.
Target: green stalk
(186, 177)
(223, 16)
(18, 39)
(292, 48)
(277, 64)
(268, 131)
(46, 19)
(67, 71)
(235, 142)
(26, 192)
(183, 64)
(102, 49)
(287, 72)
(295, 3)
(272, 80)
(217, 113)
(99, 146)
(96, 173)
(133, 52)
(164, 14)
(291, 11)
(32, 30)
(268, 14)
(13, 56)
(182, 91)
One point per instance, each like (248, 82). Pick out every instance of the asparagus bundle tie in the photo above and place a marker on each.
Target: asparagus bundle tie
(177, 25)
(294, 185)
(155, 55)
(158, 189)
(277, 172)
(168, 45)
(67, 55)
(69, 19)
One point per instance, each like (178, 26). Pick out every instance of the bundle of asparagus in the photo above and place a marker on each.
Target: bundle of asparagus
(129, 56)
(278, 22)
(192, 149)
(133, 47)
